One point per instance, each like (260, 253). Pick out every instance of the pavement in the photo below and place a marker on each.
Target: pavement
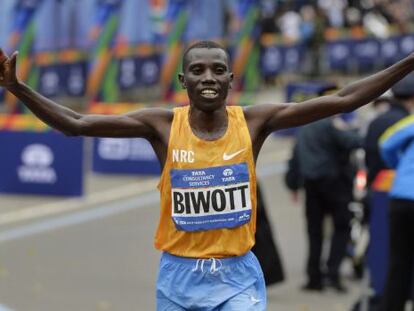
(96, 252)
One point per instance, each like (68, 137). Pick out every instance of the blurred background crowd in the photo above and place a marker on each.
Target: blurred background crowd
(112, 56)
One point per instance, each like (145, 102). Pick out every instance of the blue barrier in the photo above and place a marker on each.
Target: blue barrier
(41, 163)
(124, 156)
(377, 257)
(345, 54)
(367, 53)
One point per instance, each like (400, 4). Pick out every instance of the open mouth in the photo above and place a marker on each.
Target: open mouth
(209, 93)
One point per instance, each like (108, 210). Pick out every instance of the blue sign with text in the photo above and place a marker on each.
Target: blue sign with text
(41, 163)
(124, 156)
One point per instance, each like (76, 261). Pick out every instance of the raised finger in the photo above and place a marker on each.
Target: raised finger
(13, 60)
(3, 56)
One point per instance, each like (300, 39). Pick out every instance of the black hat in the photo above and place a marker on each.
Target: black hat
(404, 87)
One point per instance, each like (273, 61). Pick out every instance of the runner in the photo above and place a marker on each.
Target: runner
(207, 187)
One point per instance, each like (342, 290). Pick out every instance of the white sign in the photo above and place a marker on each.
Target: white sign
(37, 160)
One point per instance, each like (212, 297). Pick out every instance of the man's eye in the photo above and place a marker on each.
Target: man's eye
(220, 71)
(196, 71)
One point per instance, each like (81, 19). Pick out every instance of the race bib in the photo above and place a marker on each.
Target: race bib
(210, 198)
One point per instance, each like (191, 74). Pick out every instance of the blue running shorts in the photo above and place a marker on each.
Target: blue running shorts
(227, 284)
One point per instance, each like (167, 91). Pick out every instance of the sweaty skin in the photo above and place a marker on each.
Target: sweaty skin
(207, 79)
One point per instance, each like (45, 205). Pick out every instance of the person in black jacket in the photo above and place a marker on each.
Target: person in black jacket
(320, 164)
(398, 109)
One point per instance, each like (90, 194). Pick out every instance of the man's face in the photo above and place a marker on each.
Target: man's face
(206, 77)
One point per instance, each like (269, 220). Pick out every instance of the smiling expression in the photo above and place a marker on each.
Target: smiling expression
(206, 77)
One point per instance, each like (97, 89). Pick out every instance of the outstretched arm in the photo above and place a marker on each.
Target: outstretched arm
(140, 123)
(272, 117)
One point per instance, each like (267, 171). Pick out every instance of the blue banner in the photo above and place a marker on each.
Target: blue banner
(271, 60)
(73, 77)
(139, 71)
(293, 57)
(50, 82)
(124, 156)
(365, 53)
(62, 79)
(390, 50)
(406, 45)
(368, 53)
(41, 163)
(280, 58)
(339, 54)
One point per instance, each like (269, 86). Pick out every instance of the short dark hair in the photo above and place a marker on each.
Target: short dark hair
(205, 44)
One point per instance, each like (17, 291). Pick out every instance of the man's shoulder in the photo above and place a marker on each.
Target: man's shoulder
(389, 117)
(262, 110)
(154, 116)
(164, 113)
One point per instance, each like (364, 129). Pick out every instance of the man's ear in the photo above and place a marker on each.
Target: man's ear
(181, 79)
(231, 80)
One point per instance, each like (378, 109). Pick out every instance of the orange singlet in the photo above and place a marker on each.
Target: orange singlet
(208, 191)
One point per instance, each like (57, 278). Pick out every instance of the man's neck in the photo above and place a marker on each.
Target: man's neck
(208, 125)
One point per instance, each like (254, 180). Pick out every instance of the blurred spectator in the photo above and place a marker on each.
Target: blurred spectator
(353, 17)
(312, 34)
(376, 24)
(289, 23)
(401, 13)
(395, 110)
(308, 24)
(320, 164)
(334, 11)
(268, 10)
(388, 109)
(397, 150)
(377, 107)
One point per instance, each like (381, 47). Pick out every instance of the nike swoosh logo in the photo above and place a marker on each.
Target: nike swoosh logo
(232, 155)
(254, 300)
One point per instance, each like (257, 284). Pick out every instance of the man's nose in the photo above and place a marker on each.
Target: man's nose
(209, 77)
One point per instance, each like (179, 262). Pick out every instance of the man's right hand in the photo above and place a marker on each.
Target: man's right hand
(8, 76)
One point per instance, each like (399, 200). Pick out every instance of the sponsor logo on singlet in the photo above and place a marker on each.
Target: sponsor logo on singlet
(210, 198)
